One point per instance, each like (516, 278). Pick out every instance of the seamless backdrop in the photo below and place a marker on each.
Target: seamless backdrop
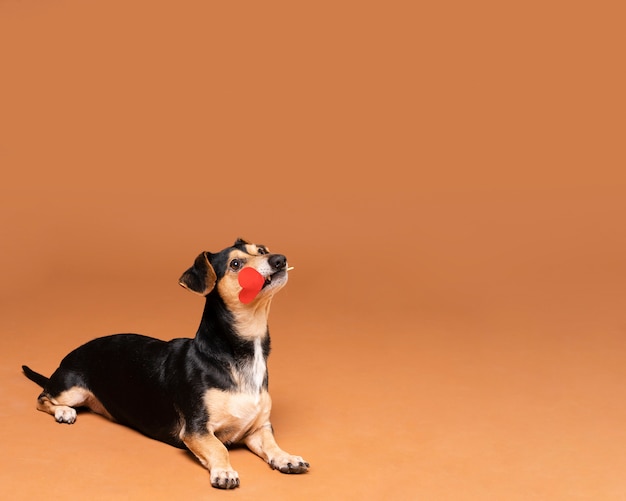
(447, 180)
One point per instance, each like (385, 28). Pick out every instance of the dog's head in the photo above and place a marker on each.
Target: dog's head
(224, 272)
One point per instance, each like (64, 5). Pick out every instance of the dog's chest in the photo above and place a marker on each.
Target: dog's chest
(232, 415)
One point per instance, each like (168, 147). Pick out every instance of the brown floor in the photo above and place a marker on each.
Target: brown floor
(447, 182)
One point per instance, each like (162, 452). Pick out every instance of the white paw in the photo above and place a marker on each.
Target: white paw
(65, 414)
(287, 463)
(224, 479)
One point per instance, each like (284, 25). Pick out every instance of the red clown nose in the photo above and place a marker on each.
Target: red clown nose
(251, 282)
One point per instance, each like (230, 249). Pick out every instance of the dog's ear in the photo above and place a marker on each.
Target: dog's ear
(240, 241)
(201, 277)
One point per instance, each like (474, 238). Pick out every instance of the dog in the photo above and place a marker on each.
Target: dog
(203, 394)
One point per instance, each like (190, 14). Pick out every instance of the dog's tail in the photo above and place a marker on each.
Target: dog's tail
(40, 379)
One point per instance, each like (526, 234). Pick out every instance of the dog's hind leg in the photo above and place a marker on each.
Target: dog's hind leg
(63, 394)
(62, 406)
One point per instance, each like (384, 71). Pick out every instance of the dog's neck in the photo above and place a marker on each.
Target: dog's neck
(220, 336)
(250, 321)
(236, 329)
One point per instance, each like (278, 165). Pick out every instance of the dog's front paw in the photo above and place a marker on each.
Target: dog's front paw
(224, 479)
(287, 463)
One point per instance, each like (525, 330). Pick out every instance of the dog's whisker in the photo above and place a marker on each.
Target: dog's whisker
(290, 268)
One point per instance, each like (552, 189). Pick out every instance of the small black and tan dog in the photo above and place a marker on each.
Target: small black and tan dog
(202, 394)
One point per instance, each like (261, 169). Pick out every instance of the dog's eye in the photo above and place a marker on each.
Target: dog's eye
(235, 264)
(261, 250)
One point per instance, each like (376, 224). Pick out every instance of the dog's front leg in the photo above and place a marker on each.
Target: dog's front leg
(214, 456)
(263, 444)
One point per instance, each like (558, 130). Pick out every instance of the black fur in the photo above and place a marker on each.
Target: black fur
(40, 379)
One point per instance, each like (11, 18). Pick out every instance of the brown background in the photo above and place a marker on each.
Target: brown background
(446, 180)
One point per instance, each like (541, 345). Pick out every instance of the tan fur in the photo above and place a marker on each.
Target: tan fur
(62, 406)
(232, 416)
(255, 250)
(214, 456)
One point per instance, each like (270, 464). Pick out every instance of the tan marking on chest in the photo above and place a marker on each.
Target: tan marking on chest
(233, 415)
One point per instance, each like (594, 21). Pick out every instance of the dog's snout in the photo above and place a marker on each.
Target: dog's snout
(277, 261)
